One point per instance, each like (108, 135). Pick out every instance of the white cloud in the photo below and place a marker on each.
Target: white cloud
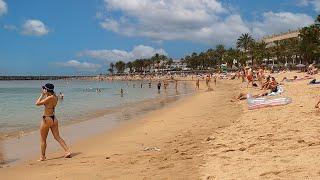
(314, 3)
(34, 27)
(280, 22)
(82, 66)
(3, 8)
(196, 20)
(138, 52)
(205, 21)
(10, 27)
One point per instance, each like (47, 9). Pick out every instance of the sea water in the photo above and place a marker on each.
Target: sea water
(18, 112)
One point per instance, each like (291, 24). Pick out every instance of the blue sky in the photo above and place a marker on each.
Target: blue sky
(42, 37)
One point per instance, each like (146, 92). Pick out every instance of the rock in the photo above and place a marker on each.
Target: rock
(211, 138)
(107, 157)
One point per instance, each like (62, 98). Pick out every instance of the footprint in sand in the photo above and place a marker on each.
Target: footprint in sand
(167, 166)
(271, 173)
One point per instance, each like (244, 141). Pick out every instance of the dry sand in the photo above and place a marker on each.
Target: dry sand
(272, 143)
(205, 136)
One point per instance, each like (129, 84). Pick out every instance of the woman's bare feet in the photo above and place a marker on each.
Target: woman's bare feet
(42, 158)
(67, 155)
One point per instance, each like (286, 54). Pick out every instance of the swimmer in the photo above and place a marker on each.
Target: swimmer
(121, 92)
(61, 96)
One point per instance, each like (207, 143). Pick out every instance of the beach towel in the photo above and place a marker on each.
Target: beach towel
(314, 81)
(257, 103)
(279, 91)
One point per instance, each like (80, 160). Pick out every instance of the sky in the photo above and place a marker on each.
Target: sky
(82, 37)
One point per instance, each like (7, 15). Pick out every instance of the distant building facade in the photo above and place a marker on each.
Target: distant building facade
(281, 36)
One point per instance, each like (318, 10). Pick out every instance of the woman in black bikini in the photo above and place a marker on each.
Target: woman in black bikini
(49, 99)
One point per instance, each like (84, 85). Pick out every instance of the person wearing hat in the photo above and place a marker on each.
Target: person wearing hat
(49, 121)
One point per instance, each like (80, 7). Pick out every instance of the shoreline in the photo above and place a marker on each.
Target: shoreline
(115, 116)
(71, 119)
(97, 114)
(169, 129)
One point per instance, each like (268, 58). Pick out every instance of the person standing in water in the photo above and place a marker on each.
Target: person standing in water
(165, 84)
(176, 85)
(49, 121)
(159, 86)
(61, 96)
(121, 92)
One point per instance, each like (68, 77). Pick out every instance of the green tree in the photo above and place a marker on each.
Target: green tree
(120, 66)
(130, 66)
(245, 44)
(310, 43)
(220, 52)
(111, 68)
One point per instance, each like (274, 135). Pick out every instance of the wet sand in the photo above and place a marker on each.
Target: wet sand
(13, 149)
(166, 143)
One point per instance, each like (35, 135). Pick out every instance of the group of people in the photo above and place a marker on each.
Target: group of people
(207, 77)
(267, 84)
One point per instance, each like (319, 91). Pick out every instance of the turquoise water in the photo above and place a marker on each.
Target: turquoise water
(82, 102)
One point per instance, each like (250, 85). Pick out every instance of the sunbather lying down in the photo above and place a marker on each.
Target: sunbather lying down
(295, 78)
(289, 80)
(276, 89)
(243, 96)
(314, 81)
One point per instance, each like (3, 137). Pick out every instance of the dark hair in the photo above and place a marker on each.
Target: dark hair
(49, 87)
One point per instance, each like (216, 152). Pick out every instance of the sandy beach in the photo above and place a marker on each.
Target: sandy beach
(205, 136)
(179, 131)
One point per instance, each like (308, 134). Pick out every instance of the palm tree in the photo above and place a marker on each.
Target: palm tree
(231, 55)
(111, 68)
(129, 65)
(120, 66)
(309, 43)
(220, 51)
(245, 44)
(259, 52)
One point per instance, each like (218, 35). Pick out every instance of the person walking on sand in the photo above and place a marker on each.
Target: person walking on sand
(176, 85)
(49, 121)
(208, 81)
(198, 84)
(249, 77)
